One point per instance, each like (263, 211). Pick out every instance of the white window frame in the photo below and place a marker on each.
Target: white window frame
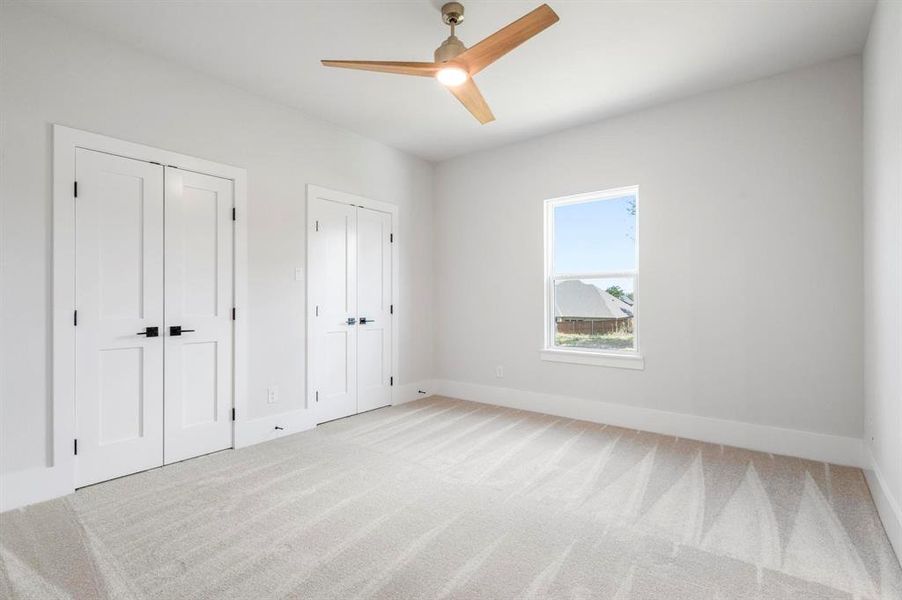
(629, 359)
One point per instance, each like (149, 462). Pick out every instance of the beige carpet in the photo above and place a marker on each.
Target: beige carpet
(448, 499)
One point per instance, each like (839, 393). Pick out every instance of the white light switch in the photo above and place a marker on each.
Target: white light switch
(272, 394)
(299, 274)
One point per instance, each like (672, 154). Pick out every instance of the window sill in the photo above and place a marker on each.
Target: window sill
(620, 361)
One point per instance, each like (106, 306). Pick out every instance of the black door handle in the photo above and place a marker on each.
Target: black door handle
(351, 320)
(150, 332)
(364, 320)
(176, 330)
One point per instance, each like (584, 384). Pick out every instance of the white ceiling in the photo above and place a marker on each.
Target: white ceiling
(602, 58)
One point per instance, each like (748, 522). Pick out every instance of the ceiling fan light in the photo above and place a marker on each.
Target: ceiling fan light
(451, 76)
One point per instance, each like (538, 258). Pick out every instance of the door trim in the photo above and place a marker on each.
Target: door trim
(62, 406)
(316, 191)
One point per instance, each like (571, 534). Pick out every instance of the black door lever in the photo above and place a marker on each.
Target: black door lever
(364, 320)
(150, 332)
(176, 330)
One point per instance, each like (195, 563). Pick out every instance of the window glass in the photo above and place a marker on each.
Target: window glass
(595, 236)
(592, 272)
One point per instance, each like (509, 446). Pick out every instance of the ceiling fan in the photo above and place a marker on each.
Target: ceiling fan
(455, 64)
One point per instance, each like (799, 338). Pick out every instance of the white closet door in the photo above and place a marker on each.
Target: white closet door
(374, 298)
(119, 295)
(332, 281)
(199, 296)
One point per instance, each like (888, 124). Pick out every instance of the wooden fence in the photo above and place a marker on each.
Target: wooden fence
(594, 326)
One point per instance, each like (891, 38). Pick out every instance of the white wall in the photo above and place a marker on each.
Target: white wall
(56, 73)
(883, 261)
(750, 224)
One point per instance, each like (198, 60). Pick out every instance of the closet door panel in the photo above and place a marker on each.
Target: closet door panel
(119, 295)
(374, 298)
(332, 281)
(199, 326)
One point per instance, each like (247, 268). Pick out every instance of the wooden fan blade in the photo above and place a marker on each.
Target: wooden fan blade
(504, 40)
(421, 69)
(469, 96)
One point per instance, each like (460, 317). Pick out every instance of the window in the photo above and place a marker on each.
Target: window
(592, 279)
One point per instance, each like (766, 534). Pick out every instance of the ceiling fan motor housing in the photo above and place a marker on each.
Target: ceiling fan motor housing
(449, 50)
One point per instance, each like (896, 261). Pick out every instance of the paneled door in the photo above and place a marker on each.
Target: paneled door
(119, 317)
(154, 315)
(332, 281)
(198, 324)
(374, 298)
(350, 290)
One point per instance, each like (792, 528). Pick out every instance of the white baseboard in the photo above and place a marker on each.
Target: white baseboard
(37, 485)
(776, 440)
(887, 505)
(263, 429)
(414, 391)
(21, 488)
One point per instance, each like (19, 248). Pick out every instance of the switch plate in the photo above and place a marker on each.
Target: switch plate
(272, 394)
(499, 371)
(299, 274)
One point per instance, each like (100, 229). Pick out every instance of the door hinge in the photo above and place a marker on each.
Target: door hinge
(316, 226)
(74, 318)
(233, 213)
(391, 238)
(391, 309)
(233, 414)
(316, 311)
(391, 381)
(75, 189)
(75, 446)
(233, 313)
(316, 395)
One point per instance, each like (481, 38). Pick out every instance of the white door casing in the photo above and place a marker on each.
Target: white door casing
(60, 473)
(332, 281)
(119, 293)
(374, 299)
(199, 300)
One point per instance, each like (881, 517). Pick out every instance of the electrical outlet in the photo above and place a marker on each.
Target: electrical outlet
(272, 394)
(499, 371)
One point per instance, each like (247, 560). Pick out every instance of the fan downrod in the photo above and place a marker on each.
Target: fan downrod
(452, 15)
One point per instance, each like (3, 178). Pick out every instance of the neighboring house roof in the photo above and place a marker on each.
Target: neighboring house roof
(574, 299)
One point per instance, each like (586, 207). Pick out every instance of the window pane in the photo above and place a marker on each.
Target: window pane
(592, 237)
(595, 314)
